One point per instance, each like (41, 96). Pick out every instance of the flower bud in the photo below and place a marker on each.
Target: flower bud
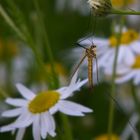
(100, 7)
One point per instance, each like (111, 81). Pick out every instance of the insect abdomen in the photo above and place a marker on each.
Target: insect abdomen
(90, 77)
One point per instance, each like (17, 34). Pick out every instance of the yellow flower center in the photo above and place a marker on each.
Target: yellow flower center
(43, 101)
(105, 137)
(126, 38)
(122, 3)
(136, 64)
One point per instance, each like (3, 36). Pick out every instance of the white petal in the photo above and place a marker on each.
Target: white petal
(53, 109)
(12, 112)
(74, 78)
(129, 57)
(69, 90)
(25, 92)
(17, 102)
(36, 128)
(24, 120)
(6, 128)
(136, 47)
(69, 110)
(20, 133)
(125, 77)
(122, 70)
(50, 124)
(137, 77)
(75, 107)
(44, 124)
(121, 53)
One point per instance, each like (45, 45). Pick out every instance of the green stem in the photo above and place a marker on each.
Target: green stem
(47, 44)
(122, 12)
(66, 127)
(113, 87)
(3, 93)
(135, 98)
(11, 23)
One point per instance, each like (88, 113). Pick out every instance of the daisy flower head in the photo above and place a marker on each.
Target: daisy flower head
(130, 73)
(129, 46)
(38, 109)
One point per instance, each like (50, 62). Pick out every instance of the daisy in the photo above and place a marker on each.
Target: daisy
(130, 73)
(38, 109)
(129, 46)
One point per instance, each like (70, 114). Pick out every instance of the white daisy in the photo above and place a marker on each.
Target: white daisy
(130, 73)
(126, 56)
(37, 110)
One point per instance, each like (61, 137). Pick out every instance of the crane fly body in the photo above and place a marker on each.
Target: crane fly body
(90, 54)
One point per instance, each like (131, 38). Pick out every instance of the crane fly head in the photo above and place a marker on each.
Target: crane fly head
(91, 51)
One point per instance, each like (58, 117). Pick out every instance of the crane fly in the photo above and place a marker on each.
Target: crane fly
(90, 54)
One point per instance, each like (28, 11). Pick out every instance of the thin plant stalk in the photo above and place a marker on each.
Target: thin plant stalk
(123, 12)
(67, 129)
(135, 98)
(113, 86)
(47, 44)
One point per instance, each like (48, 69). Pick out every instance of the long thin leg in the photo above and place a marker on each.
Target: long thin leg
(77, 66)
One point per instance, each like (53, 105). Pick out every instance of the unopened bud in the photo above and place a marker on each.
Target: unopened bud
(100, 7)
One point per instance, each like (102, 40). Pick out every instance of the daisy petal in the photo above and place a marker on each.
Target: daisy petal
(50, 124)
(20, 134)
(7, 128)
(25, 92)
(74, 78)
(135, 47)
(129, 58)
(43, 126)
(125, 78)
(76, 107)
(36, 128)
(24, 120)
(53, 109)
(137, 77)
(69, 90)
(66, 109)
(12, 112)
(16, 102)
